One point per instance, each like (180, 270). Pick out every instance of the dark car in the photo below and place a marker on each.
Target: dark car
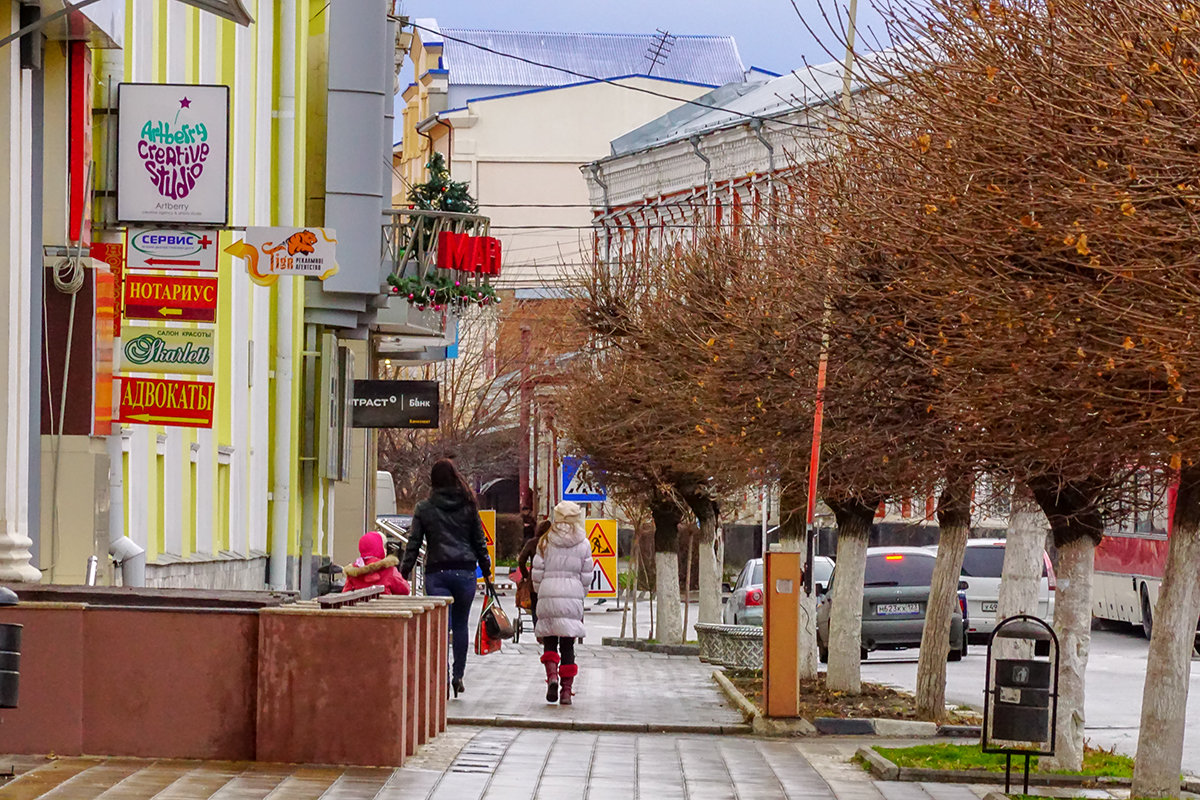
(895, 593)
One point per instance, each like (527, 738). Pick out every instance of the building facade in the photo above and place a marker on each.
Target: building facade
(254, 500)
(518, 132)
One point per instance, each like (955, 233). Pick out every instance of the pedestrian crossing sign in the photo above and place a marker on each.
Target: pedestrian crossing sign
(488, 519)
(602, 534)
(581, 481)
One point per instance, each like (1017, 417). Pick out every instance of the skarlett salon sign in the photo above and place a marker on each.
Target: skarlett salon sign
(163, 350)
(395, 404)
(173, 153)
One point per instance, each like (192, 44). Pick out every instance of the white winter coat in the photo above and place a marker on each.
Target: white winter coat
(561, 577)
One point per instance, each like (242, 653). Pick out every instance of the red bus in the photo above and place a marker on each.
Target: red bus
(1130, 559)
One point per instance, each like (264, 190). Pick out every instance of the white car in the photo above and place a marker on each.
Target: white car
(983, 563)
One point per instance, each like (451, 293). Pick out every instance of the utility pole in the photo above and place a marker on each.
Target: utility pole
(526, 400)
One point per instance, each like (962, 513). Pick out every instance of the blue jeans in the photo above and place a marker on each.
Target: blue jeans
(460, 585)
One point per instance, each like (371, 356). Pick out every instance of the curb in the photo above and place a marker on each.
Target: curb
(647, 647)
(879, 766)
(748, 710)
(837, 726)
(885, 769)
(599, 727)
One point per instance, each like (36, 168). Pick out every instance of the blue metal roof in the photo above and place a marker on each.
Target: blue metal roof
(708, 60)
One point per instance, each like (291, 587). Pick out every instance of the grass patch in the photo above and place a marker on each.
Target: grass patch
(969, 756)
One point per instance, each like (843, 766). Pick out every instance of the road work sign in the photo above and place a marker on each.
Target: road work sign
(164, 297)
(581, 482)
(488, 518)
(602, 535)
(165, 248)
(154, 401)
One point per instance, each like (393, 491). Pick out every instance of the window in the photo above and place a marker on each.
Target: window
(983, 562)
(899, 569)
(757, 580)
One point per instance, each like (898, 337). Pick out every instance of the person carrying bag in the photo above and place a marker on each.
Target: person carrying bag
(562, 572)
(494, 624)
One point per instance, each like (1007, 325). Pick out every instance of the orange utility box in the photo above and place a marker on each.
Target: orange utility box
(781, 633)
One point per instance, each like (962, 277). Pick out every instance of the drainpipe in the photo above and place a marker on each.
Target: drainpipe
(285, 212)
(756, 129)
(596, 173)
(695, 142)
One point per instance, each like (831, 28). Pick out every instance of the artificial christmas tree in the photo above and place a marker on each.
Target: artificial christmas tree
(440, 193)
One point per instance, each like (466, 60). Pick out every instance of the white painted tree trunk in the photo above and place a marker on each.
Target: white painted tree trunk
(1023, 553)
(807, 660)
(1168, 667)
(845, 623)
(1073, 626)
(710, 573)
(806, 656)
(939, 613)
(670, 612)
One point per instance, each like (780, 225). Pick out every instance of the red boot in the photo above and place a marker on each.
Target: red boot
(568, 673)
(550, 661)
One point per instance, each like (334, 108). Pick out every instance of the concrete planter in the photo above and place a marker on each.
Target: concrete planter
(733, 646)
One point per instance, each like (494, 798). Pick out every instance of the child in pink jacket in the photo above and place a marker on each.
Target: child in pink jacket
(372, 568)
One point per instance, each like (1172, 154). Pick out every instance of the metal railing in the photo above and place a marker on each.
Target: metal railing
(395, 534)
(410, 237)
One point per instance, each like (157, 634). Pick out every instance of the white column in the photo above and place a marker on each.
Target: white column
(14, 416)
(206, 496)
(239, 325)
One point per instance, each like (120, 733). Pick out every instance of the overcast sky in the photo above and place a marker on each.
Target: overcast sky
(769, 34)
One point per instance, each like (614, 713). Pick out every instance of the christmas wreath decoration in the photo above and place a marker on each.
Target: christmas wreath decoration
(438, 292)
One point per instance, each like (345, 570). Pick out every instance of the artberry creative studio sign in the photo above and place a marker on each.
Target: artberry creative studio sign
(173, 153)
(159, 349)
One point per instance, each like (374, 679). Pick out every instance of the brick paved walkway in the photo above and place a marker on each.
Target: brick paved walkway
(617, 689)
(510, 764)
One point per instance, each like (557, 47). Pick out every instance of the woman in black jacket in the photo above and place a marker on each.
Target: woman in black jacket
(449, 525)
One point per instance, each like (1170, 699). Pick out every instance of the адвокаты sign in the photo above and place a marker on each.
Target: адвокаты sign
(173, 153)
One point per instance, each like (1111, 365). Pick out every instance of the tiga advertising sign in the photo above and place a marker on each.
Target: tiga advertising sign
(395, 404)
(271, 252)
(154, 401)
(159, 349)
(173, 153)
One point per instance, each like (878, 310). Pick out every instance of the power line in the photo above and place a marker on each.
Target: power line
(612, 82)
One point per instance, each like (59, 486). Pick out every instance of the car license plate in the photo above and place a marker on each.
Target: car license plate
(989, 606)
(893, 609)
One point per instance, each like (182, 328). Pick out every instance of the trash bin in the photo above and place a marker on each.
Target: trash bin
(1022, 709)
(10, 654)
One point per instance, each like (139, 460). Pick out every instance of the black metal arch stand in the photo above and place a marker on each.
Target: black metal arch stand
(1008, 773)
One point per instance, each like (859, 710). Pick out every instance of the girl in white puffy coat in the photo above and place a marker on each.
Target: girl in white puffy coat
(562, 573)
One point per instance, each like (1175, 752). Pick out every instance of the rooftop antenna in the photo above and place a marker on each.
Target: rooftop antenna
(660, 49)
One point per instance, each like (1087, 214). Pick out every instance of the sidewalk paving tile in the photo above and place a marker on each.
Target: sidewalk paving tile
(638, 692)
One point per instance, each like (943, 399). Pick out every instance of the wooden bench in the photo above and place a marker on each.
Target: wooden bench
(345, 599)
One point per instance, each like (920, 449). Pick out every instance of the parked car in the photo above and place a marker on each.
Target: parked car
(895, 593)
(745, 603)
(983, 563)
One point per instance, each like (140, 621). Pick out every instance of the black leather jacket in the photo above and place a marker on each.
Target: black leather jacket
(448, 523)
